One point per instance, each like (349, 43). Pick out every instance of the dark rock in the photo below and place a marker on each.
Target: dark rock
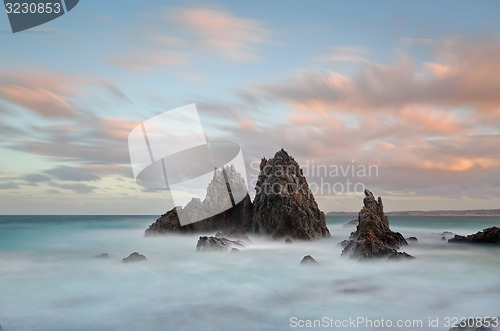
(443, 238)
(412, 239)
(235, 219)
(284, 206)
(487, 236)
(217, 244)
(308, 259)
(134, 257)
(288, 240)
(373, 237)
(351, 224)
(234, 234)
(102, 256)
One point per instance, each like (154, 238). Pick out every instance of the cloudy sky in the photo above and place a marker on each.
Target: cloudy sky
(412, 88)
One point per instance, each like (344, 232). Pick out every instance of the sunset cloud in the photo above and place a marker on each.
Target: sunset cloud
(217, 30)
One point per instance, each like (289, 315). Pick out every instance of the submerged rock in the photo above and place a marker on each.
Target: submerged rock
(412, 239)
(284, 206)
(134, 257)
(217, 244)
(351, 224)
(102, 256)
(487, 236)
(373, 237)
(288, 240)
(308, 259)
(235, 219)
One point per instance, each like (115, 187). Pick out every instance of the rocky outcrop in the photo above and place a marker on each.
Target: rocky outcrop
(235, 219)
(373, 237)
(308, 259)
(134, 257)
(487, 236)
(217, 244)
(284, 206)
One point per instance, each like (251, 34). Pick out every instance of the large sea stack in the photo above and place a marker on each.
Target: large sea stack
(373, 237)
(236, 219)
(284, 206)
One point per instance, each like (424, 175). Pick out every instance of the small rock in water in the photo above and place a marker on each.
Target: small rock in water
(102, 256)
(288, 240)
(134, 257)
(235, 250)
(217, 244)
(412, 239)
(351, 224)
(443, 238)
(308, 259)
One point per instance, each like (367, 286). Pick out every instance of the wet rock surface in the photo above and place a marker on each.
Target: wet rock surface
(373, 238)
(218, 244)
(284, 206)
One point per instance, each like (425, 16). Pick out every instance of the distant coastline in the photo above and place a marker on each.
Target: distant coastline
(475, 212)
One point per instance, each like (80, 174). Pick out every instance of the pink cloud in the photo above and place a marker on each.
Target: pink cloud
(219, 31)
(49, 93)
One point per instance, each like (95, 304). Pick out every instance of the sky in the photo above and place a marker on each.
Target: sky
(410, 90)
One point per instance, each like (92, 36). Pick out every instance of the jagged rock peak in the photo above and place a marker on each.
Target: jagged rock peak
(235, 217)
(284, 206)
(373, 236)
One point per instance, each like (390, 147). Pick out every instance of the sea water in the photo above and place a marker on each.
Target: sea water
(51, 280)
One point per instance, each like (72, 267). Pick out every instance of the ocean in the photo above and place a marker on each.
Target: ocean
(51, 280)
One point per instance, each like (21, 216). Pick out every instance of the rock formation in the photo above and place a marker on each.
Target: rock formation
(134, 257)
(487, 236)
(284, 206)
(373, 237)
(308, 259)
(235, 219)
(217, 244)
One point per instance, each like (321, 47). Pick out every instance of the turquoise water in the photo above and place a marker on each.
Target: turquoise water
(50, 280)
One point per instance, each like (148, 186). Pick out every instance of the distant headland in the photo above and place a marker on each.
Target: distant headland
(474, 212)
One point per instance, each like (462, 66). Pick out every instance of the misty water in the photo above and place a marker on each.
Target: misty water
(50, 280)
